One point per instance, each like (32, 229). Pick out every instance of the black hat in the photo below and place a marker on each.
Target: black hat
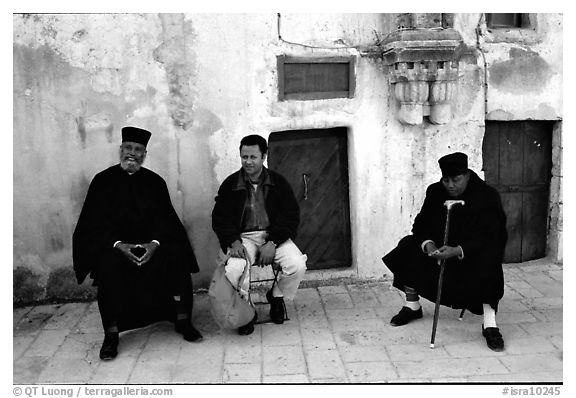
(453, 164)
(135, 134)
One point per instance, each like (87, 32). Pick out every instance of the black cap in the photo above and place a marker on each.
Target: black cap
(135, 134)
(453, 164)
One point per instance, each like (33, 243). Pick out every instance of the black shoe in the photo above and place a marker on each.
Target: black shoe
(109, 348)
(248, 328)
(405, 315)
(277, 308)
(494, 339)
(185, 328)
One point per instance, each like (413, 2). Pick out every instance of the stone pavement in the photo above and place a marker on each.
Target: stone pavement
(336, 334)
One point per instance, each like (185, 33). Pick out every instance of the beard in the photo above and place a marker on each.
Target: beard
(130, 166)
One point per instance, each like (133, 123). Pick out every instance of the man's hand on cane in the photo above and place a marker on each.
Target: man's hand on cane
(446, 252)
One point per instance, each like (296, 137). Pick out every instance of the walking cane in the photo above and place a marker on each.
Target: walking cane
(449, 204)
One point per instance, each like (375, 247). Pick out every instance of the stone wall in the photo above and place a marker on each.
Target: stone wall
(200, 82)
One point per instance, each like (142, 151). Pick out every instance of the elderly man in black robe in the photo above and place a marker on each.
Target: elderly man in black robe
(131, 242)
(473, 277)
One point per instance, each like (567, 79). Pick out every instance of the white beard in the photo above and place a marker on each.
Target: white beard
(130, 166)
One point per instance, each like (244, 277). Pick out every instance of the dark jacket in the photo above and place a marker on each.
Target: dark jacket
(280, 202)
(479, 227)
(132, 209)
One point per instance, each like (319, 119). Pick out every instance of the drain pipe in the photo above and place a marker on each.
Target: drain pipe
(478, 34)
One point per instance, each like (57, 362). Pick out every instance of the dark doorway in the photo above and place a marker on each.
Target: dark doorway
(517, 162)
(315, 163)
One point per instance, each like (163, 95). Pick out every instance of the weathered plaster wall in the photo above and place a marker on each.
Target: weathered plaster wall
(200, 82)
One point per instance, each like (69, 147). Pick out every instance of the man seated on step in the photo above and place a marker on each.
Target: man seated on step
(255, 218)
(473, 277)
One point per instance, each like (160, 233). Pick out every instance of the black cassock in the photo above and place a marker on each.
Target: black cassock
(133, 209)
(479, 227)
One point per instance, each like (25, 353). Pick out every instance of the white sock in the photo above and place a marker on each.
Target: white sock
(489, 316)
(413, 305)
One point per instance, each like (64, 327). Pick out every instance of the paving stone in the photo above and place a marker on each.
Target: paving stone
(544, 303)
(26, 370)
(542, 328)
(324, 364)
(66, 316)
(411, 352)
(375, 324)
(536, 377)
(549, 315)
(242, 354)
(18, 314)
(153, 368)
(545, 362)
(362, 296)
(244, 373)
(512, 306)
(329, 381)
(452, 367)
(510, 294)
(284, 334)
(279, 360)
(314, 323)
(337, 301)
(131, 342)
(34, 319)
(375, 353)
(47, 343)
(330, 290)
(20, 344)
(539, 268)
(207, 371)
(557, 275)
(351, 313)
(299, 378)
(164, 340)
(544, 284)
(317, 338)
(81, 346)
(389, 298)
(515, 317)
(371, 372)
(390, 336)
(557, 340)
(116, 371)
(64, 369)
(91, 322)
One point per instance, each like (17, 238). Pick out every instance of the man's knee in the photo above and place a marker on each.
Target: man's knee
(294, 265)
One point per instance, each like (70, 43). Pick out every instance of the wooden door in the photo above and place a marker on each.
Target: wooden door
(517, 162)
(315, 163)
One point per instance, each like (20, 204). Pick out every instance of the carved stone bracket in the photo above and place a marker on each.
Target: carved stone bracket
(423, 67)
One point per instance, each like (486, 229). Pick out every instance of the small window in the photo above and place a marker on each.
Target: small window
(315, 78)
(505, 21)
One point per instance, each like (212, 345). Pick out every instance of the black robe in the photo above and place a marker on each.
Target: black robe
(479, 227)
(133, 209)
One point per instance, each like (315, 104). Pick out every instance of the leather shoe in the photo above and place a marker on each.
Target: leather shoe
(406, 315)
(277, 308)
(185, 328)
(494, 339)
(109, 348)
(248, 328)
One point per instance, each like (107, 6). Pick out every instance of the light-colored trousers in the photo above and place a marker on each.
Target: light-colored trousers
(288, 256)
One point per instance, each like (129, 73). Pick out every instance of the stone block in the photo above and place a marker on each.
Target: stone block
(450, 367)
(317, 339)
(324, 364)
(283, 360)
(285, 334)
(244, 373)
(26, 370)
(47, 343)
(376, 353)
(371, 372)
(531, 363)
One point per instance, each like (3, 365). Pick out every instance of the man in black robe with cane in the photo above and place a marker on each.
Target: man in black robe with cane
(473, 279)
(131, 242)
